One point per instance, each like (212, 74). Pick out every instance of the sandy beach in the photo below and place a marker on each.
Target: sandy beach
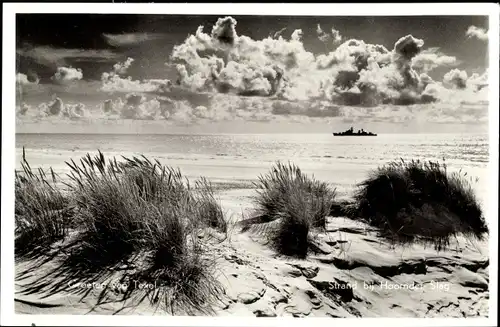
(351, 272)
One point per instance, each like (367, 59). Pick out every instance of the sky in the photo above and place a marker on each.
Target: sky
(104, 73)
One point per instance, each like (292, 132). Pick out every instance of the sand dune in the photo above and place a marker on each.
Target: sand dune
(350, 272)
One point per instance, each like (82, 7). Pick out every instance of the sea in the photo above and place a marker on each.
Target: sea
(239, 159)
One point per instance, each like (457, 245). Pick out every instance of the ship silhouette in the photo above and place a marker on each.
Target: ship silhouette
(350, 132)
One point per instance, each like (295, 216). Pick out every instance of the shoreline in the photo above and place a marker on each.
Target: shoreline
(230, 173)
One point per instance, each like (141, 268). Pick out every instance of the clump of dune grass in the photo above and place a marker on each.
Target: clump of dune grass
(209, 209)
(141, 205)
(299, 202)
(420, 201)
(183, 274)
(113, 196)
(112, 205)
(291, 236)
(277, 187)
(41, 209)
(121, 210)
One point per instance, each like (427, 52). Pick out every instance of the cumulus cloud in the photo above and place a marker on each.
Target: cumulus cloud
(135, 106)
(297, 35)
(122, 67)
(408, 47)
(50, 109)
(334, 37)
(457, 88)
(55, 107)
(130, 39)
(456, 78)
(74, 111)
(322, 36)
(385, 77)
(355, 73)
(224, 31)
(459, 79)
(246, 79)
(132, 106)
(67, 74)
(478, 81)
(237, 63)
(112, 81)
(430, 59)
(23, 79)
(477, 32)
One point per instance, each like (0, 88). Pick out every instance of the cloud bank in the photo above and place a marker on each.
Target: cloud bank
(54, 108)
(50, 56)
(229, 108)
(226, 76)
(355, 73)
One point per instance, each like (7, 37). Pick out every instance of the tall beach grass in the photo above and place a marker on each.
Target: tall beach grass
(420, 201)
(298, 201)
(41, 210)
(123, 208)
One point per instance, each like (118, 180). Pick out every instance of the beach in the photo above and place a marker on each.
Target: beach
(351, 272)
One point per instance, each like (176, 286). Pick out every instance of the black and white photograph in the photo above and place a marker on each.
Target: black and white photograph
(271, 165)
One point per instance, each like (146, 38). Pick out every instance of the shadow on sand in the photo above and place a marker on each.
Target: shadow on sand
(79, 270)
(119, 277)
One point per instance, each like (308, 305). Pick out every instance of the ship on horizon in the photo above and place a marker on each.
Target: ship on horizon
(350, 132)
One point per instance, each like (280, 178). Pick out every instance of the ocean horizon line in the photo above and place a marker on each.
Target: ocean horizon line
(300, 133)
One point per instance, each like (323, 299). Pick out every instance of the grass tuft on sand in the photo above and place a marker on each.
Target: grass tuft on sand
(177, 262)
(41, 210)
(119, 202)
(420, 202)
(125, 208)
(297, 201)
(209, 208)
